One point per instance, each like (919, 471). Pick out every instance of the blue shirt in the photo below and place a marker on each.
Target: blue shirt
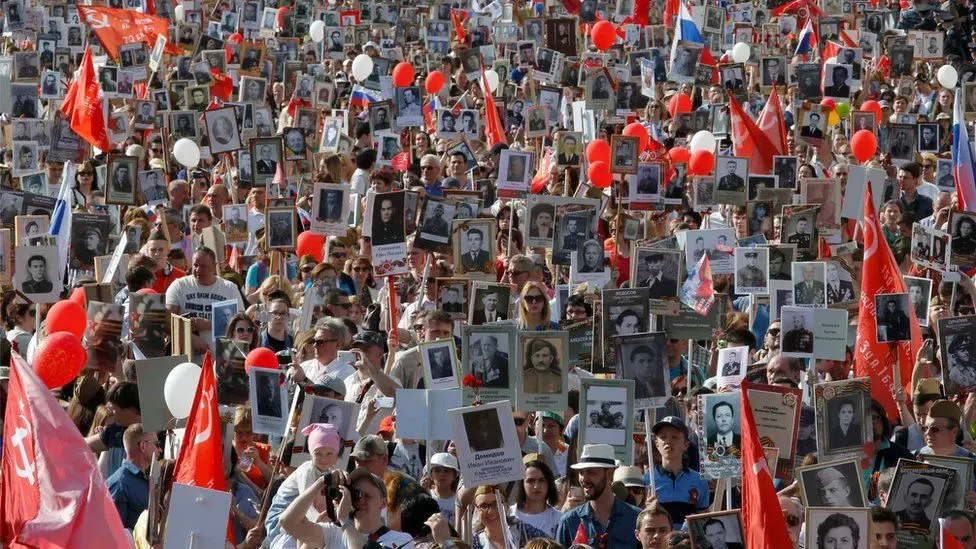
(129, 489)
(620, 529)
(682, 494)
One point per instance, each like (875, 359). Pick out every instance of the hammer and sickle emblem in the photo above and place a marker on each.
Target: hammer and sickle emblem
(17, 441)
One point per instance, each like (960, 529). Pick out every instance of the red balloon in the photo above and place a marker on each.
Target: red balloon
(603, 35)
(59, 359)
(679, 154)
(599, 174)
(828, 104)
(701, 162)
(679, 102)
(598, 150)
(635, 129)
(147, 291)
(864, 144)
(872, 106)
(402, 74)
(262, 357)
(78, 296)
(434, 82)
(66, 316)
(311, 244)
(236, 38)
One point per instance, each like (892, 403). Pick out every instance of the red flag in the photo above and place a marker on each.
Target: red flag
(494, 133)
(458, 27)
(52, 494)
(400, 161)
(749, 141)
(544, 174)
(831, 49)
(697, 292)
(823, 248)
(222, 85)
(765, 526)
(114, 27)
(670, 12)
(201, 458)
(83, 105)
(881, 275)
(948, 540)
(771, 123)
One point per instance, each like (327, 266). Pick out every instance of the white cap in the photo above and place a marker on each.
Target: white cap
(135, 150)
(443, 459)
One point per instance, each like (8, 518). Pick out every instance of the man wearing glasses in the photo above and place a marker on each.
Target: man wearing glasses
(331, 335)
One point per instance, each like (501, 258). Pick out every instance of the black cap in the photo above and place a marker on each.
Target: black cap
(671, 421)
(368, 337)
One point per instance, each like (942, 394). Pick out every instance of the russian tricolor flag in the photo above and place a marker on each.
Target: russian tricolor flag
(362, 97)
(808, 39)
(962, 157)
(685, 29)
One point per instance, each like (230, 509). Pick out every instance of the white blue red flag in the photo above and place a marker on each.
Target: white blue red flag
(807, 41)
(686, 30)
(962, 157)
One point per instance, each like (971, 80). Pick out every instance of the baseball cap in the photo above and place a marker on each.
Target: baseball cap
(670, 421)
(368, 447)
(443, 459)
(553, 416)
(368, 337)
(360, 473)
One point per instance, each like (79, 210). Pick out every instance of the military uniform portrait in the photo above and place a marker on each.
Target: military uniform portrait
(892, 312)
(436, 219)
(751, 270)
(388, 217)
(833, 484)
(796, 334)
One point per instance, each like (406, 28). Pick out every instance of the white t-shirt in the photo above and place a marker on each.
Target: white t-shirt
(317, 373)
(447, 506)
(547, 521)
(332, 537)
(194, 300)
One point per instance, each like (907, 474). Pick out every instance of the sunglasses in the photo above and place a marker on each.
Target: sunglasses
(534, 299)
(487, 506)
(248, 330)
(338, 255)
(319, 342)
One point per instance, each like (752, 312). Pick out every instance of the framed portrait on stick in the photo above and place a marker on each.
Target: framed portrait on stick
(713, 530)
(841, 408)
(606, 416)
(489, 354)
(777, 413)
(483, 431)
(832, 484)
(543, 374)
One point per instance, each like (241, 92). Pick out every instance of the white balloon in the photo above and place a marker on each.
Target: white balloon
(180, 387)
(492, 77)
(741, 52)
(317, 30)
(362, 67)
(948, 76)
(703, 141)
(187, 152)
(179, 11)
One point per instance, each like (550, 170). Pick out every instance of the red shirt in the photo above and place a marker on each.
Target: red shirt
(164, 279)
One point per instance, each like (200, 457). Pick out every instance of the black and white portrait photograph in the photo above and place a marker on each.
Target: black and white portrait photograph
(901, 142)
(235, 223)
(809, 289)
(796, 333)
(183, 124)
(731, 175)
(387, 224)
(26, 157)
(34, 183)
(683, 69)
(916, 499)
(624, 151)
(145, 115)
(846, 528)
(265, 155)
(716, 244)
(929, 138)
(892, 311)
(773, 71)
(36, 273)
(280, 225)
(440, 364)
(648, 188)
(833, 484)
(862, 120)
(252, 90)
(468, 124)
(380, 117)
(720, 442)
(474, 250)
(268, 400)
(294, 141)
(599, 94)
(50, 85)
(813, 125)
(152, 186)
(732, 364)
(330, 207)
(515, 168)
(537, 124)
(658, 270)
(490, 304)
(569, 147)
(541, 222)
(641, 357)
(483, 429)
(452, 296)
(121, 188)
(751, 270)
(808, 80)
(24, 100)
(719, 530)
(409, 111)
(919, 296)
(489, 352)
(435, 221)
(447, 124)
(837, 80)
(606, 413)
(196, 98)
(223, 131)
(543, 370)
(958, 351)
